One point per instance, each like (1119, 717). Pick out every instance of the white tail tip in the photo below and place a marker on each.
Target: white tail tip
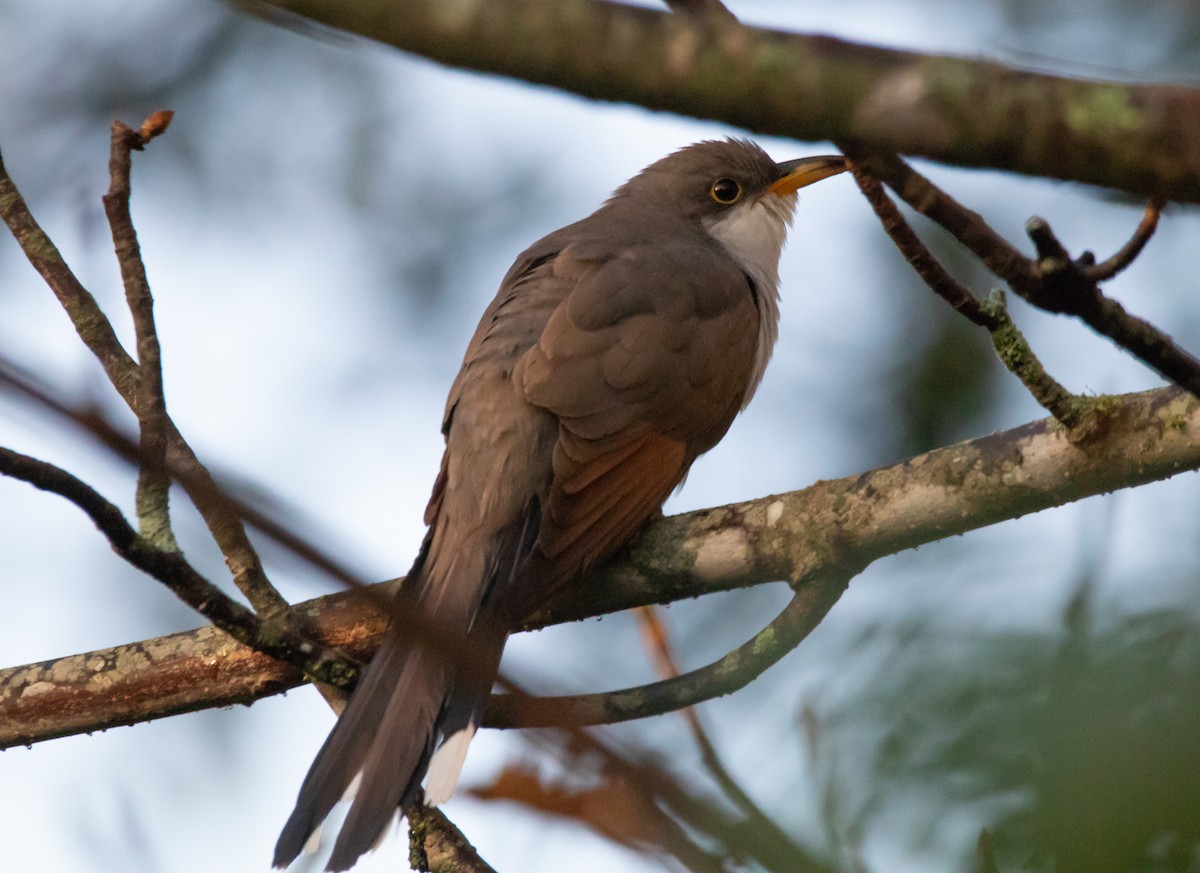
(446, 766)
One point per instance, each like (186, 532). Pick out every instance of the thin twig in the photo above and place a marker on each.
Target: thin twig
(782, 846)
(729, 673)
(154, 484)
(1053, 281)
(918, 254)
(1017, 355)
(89, 320)
(122, 371)
(643, 773)
(14, 378)
(965, 225)
(1064, 285)
(1011, 346)
(170, 568)
(1126, 255)
(407, 618)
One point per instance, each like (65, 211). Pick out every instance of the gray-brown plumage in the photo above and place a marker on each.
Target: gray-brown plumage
(617, 350)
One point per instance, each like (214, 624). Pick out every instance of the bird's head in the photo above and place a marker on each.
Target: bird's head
(735, 191)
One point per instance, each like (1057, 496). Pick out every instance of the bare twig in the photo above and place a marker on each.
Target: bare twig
(1009, 343)
(1066, 285)
(777, 844)
(1014, 351)
(1126, 255)
(727, 674)
(90, 322)
(1053, 281)
(25, 385)
(965, 225)
(406, 617)
(170, 568)
(154, 484)
(122, 371)
(918, 254)
(648, 786)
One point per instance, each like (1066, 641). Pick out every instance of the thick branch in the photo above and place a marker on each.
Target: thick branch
(168, 675)
(1138, 138)
(1137, 438)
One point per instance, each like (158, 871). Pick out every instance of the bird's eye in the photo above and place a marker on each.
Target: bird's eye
(725, 191)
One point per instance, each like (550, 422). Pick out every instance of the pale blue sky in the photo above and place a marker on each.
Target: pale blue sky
(296, 220)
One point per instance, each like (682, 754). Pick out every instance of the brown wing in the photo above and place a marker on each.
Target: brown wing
(645, 364)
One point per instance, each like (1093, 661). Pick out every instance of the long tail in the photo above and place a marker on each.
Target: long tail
(406, 703)
(409, 701)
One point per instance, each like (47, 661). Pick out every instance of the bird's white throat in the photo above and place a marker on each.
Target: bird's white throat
(753, 232)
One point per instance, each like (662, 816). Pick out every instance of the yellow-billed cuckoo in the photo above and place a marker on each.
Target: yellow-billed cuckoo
(617, 351)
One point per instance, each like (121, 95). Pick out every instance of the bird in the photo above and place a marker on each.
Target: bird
(617, 350)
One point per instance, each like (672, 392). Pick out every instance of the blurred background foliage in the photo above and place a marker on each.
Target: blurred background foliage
(322, 225)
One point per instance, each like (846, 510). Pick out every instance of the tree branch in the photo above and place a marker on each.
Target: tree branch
(731, 672)
(1137, 438)
(1126, 255)
(406, 618)
(918, 254)
(123, 372)
(766, 829)
(436, 845)
(991, 315)
(89, 320)
(173, 570)
(168, 675)
(1053, 281)
(1135, 138)
(154, 483)
(1068, 285)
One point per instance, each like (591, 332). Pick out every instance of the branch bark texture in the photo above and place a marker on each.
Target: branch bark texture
(1139, 138)
(804, 537)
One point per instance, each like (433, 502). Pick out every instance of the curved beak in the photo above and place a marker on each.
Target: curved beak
(794, 175)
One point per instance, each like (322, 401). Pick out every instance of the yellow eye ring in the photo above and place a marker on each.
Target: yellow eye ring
(725, 191)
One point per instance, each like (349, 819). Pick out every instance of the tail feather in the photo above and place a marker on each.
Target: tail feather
(404, 738)
(409, 700)
(339, 761)
(446, 765)
(464, 710)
